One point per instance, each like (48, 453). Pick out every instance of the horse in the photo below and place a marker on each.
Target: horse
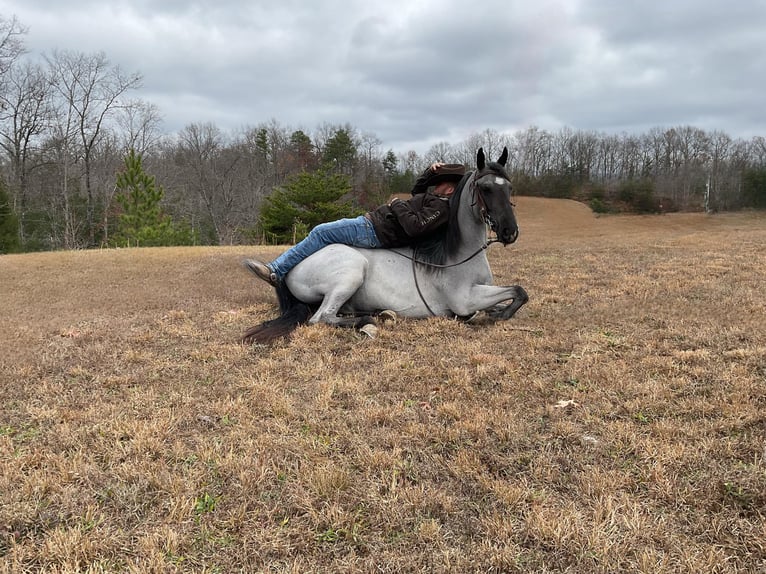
(447, 275)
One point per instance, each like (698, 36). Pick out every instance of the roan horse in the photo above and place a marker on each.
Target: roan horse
(448, 275)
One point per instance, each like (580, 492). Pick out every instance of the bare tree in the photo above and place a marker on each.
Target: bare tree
(410, 161)
(439, 152)
(491, 141)
(693, 146)
(369, 178)
(90, 88)
(60, 148)
(213, 175)
(607, 158)
(11, 44)
(758, 150)
(25, 114)
(562, 149)
(139, 122)
(533, 148)
(718, 177)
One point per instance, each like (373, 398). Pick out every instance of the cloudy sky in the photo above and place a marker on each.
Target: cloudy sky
(419, 72)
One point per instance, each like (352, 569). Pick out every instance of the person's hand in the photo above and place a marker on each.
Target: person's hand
(435, 166)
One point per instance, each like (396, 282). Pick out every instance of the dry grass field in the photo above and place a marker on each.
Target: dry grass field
(616, 424)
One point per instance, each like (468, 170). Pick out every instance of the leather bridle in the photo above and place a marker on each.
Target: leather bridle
(478, 198)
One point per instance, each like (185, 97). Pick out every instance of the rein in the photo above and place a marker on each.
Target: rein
(439, 266)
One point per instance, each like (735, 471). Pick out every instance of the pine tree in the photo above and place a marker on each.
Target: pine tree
(305, 201)
(9, 224)
(142, 222)
(340, 152)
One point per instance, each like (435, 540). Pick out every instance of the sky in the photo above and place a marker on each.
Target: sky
(415, 73)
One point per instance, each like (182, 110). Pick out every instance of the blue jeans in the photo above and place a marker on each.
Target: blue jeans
(357, 232)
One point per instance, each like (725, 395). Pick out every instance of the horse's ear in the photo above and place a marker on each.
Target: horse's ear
(480, 159)
(503, 157)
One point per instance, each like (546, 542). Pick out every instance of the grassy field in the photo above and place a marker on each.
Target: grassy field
(616, 424)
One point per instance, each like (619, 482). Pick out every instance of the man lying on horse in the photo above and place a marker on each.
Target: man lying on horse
(395, 224)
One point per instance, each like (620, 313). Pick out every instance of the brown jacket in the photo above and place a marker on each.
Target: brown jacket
(402, 222)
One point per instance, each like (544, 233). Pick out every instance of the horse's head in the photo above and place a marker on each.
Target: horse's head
(492, 189)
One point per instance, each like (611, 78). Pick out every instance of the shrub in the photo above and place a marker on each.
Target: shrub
(639, 195)
(598, 205)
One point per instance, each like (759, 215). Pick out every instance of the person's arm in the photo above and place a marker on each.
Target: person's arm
(421, 215)
(422, 182)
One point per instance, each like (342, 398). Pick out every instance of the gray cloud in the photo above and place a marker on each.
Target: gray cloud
(415, 73)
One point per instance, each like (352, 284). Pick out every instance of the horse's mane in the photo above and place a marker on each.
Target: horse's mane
(440, 245)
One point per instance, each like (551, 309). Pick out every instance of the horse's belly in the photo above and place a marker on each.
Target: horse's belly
(392, 287)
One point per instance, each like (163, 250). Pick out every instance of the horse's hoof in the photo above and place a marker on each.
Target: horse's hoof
(370, 330)
(468, 318)
(387, 315)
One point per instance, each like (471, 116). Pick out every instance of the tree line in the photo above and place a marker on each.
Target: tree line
(70, 126)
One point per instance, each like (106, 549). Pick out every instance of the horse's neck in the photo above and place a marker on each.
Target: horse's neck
(473, 230)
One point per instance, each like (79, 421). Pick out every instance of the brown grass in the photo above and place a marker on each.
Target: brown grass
(615, 425)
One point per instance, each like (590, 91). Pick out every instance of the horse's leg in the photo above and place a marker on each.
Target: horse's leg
(364, 323)
(503, 312)
(485, 297)
(337, 296)
(331, 304)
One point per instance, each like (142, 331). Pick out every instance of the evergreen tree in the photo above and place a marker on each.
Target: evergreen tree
(305, 201)
(401, 183)
(340, 152)
(754, 187)
(9, 224)
(262, 143)
(397, 182)
(302, 150)
(389, 163)
(142, 222)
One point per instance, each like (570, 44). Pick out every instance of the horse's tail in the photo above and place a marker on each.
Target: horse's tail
(293, 314)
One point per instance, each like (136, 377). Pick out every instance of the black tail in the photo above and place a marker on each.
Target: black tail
(293, 314)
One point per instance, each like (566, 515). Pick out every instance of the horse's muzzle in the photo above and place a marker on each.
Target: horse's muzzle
(509, 236)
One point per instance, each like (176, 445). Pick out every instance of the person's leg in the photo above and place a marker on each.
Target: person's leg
(357, 232)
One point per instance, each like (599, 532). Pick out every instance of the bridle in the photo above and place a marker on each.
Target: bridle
(478, 198)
